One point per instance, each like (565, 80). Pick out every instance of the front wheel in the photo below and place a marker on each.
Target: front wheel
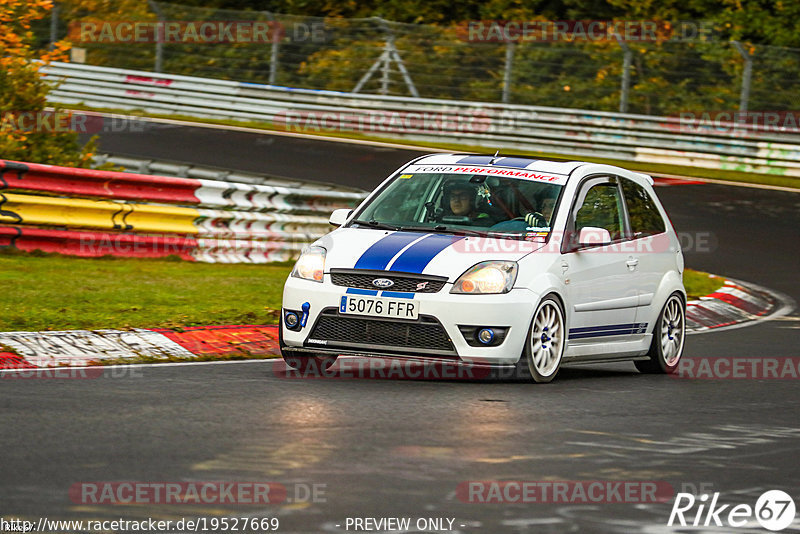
(544, 347)
(669, 335)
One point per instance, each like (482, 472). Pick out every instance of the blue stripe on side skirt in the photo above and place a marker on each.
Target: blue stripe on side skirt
(609, 330)
(378, 256)
(606, 327)
(419, 255)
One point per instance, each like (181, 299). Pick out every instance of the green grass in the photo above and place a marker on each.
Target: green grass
(699, 284)
(53, 292)
(648, 168)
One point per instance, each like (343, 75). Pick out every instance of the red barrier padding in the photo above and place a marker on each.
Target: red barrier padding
(750, 307)
(93, 183)
(226, 340)
(676, 181)
(96, 244)
(9, 360)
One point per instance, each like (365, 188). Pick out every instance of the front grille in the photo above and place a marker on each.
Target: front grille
(403, 283)
(426, 333)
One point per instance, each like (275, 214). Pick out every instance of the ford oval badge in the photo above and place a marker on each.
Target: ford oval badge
(382, 282)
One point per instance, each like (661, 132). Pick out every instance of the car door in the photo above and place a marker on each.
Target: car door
(600, 283)
(649, 245)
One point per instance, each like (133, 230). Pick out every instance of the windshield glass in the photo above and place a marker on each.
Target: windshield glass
(471, 203)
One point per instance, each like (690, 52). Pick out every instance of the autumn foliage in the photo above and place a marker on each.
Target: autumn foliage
(23, 90)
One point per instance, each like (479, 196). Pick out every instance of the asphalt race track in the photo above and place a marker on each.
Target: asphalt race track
(406, 448)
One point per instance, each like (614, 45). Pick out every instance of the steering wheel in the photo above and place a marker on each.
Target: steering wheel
(533, 219)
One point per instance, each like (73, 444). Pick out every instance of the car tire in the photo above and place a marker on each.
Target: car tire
(669, 338)
(545, 344)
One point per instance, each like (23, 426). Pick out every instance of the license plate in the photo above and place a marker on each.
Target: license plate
(379, 307)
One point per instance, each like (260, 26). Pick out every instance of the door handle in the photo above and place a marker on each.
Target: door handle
(564, 267)
(632, 263)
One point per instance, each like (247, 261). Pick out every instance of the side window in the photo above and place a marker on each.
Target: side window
(645, 218)
(601, 208)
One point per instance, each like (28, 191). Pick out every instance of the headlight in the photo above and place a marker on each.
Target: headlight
(487, 277)
(310, 265)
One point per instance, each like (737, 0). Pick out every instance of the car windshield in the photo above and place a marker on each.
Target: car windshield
(479, 204)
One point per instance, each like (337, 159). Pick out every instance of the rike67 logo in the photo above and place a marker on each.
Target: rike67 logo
(774, 510)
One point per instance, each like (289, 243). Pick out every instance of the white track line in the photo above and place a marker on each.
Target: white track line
(134, 365)
(727, 182)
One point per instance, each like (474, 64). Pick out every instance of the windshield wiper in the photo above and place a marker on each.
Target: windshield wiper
(372, 223)
(507, 235)
(442, 229)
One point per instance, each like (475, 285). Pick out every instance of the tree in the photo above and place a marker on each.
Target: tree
(27, 131)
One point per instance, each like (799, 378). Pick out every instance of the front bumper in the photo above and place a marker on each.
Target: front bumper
(435, 334)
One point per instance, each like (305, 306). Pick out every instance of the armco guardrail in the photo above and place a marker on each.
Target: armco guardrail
(182, 169)
(572, 132)
(89, 212)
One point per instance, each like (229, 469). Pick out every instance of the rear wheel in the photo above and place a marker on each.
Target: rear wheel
(669, 336)
(544, 347)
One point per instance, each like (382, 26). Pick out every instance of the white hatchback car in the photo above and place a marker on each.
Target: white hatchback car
(500, 261)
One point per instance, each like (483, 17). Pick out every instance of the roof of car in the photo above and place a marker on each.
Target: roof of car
(563, 168)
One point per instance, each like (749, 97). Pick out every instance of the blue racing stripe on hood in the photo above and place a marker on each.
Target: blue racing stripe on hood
(475, 160)
(378, 256)
(521, 163)
(420, 254)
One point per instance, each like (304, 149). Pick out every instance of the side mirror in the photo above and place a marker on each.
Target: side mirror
(592, 236)
(339, 217)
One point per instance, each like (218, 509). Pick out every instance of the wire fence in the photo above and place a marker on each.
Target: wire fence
(662, 76)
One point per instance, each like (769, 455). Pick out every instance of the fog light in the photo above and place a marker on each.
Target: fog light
(486, 336)
(291, 319)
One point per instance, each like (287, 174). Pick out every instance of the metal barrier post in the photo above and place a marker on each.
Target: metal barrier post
(747, 74)
(159, 66)
(273, 53)
(54, 26)
(627, 58)
(507, 72)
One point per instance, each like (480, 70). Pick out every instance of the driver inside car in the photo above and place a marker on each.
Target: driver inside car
(459, 200)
